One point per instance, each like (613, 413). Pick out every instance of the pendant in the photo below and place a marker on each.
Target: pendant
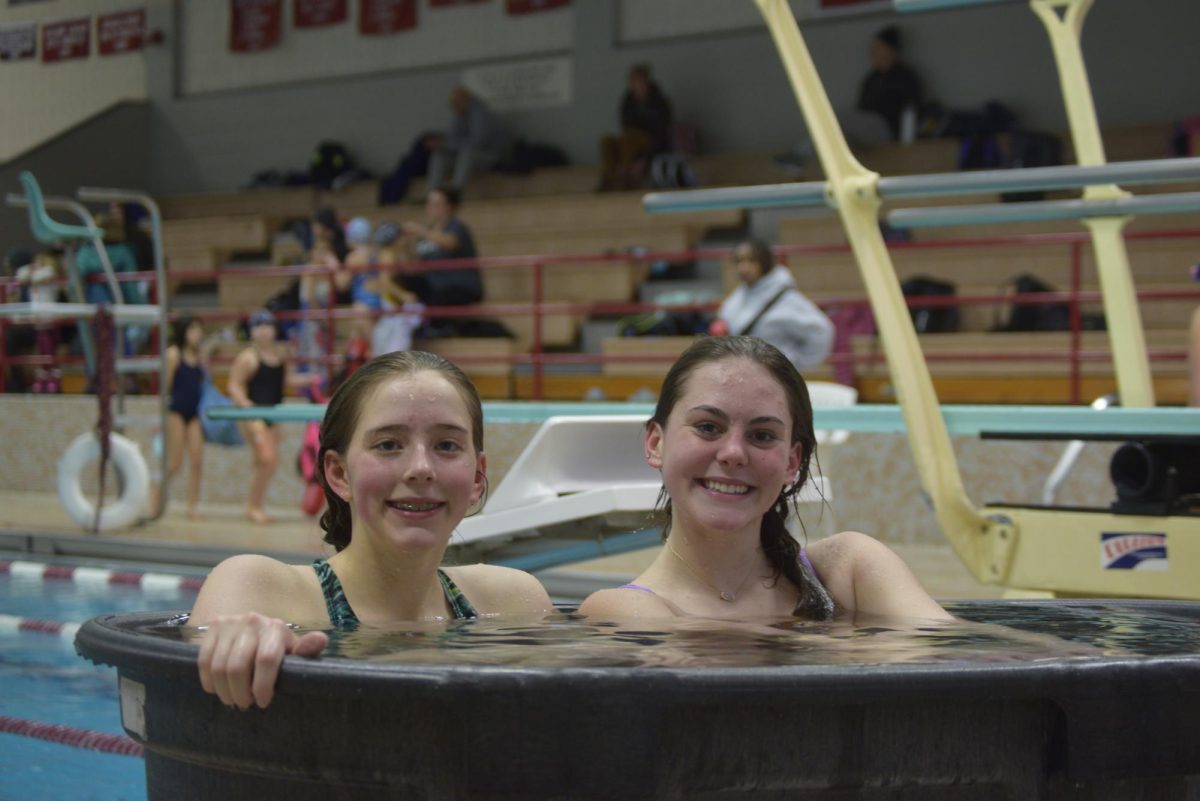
(727, 597)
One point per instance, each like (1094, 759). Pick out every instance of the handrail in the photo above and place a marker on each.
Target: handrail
(836, 305)
(816, 193)
(992, 213)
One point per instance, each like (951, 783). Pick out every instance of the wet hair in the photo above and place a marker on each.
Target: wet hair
(890, 36)
(346, 406)
(762, 255)
(179, 332)
(453, 196)
(780, 548)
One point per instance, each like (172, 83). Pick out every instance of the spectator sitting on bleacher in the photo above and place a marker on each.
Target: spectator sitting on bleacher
(891, 88)
(371, 262)
(476, 141)
(364, 283)
(645, 132)
(38, 279)
(443, 236)
(767, 305)
(328, 249)
(123, 254)
(401, 309)
(126, 218)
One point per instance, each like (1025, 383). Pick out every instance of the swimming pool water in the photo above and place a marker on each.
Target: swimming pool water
(44, 680)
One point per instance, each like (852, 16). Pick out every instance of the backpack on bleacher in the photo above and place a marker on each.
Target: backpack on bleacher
(671, 171)
(1042, 316)
(931, 319)
(330, 160)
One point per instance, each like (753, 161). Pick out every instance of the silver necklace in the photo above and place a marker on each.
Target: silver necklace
(728, 597)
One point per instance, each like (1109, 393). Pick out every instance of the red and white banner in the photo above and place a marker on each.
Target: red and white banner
(532, 6)
(122, 32)
(66, 39)
(255, 25)
(18, 41)
(380, 17)
(319, 13)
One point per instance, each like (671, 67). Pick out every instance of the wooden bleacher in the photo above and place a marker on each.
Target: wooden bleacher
(970, 380)
(553, 212)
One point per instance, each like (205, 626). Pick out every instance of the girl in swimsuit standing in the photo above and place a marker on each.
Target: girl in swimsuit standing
(258, 377)
(733, 437)
(185, 377)
(401, 462)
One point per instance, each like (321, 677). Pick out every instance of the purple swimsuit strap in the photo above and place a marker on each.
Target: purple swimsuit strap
(807, 563)
(637, 587)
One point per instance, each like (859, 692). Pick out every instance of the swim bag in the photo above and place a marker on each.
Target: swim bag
(218, 432)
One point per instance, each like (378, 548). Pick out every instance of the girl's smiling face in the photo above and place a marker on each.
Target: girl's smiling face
(726, 451)
(411, 471)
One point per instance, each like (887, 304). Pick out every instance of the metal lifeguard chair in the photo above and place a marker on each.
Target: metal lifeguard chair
(49, 231)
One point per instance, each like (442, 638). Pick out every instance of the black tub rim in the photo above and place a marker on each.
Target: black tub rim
(113, 640)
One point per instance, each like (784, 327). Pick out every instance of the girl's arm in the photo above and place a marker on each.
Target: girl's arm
(864, 575)
(244, 605)
(443, 239)
(172, 365)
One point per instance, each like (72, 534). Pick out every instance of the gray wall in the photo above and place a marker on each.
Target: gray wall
(1141, 56)
(109, 150)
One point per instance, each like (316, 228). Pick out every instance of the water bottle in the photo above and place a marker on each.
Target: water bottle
(908, 125)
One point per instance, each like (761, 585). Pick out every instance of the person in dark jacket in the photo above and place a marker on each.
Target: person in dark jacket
(891, 86)
(441, 237)
(645, 132)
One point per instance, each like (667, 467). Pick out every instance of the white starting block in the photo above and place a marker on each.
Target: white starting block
(579, 476)
(574, 469)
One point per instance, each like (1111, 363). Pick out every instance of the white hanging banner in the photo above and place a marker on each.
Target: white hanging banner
(18, 41)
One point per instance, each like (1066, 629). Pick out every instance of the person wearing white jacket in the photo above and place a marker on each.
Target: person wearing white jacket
(767, 305)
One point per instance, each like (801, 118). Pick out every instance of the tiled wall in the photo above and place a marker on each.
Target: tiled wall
(874, 483)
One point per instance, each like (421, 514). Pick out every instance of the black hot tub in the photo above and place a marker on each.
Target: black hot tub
(572, 720)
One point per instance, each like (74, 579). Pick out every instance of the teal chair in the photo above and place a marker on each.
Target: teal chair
(46, 230)
(51, 232)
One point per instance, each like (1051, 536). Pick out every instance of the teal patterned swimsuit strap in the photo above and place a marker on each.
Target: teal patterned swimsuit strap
(459, 605)
(341, 615)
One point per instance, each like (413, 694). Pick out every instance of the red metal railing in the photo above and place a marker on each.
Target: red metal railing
(537, 308)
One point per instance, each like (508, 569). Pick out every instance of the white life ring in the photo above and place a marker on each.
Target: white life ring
(135, 479)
